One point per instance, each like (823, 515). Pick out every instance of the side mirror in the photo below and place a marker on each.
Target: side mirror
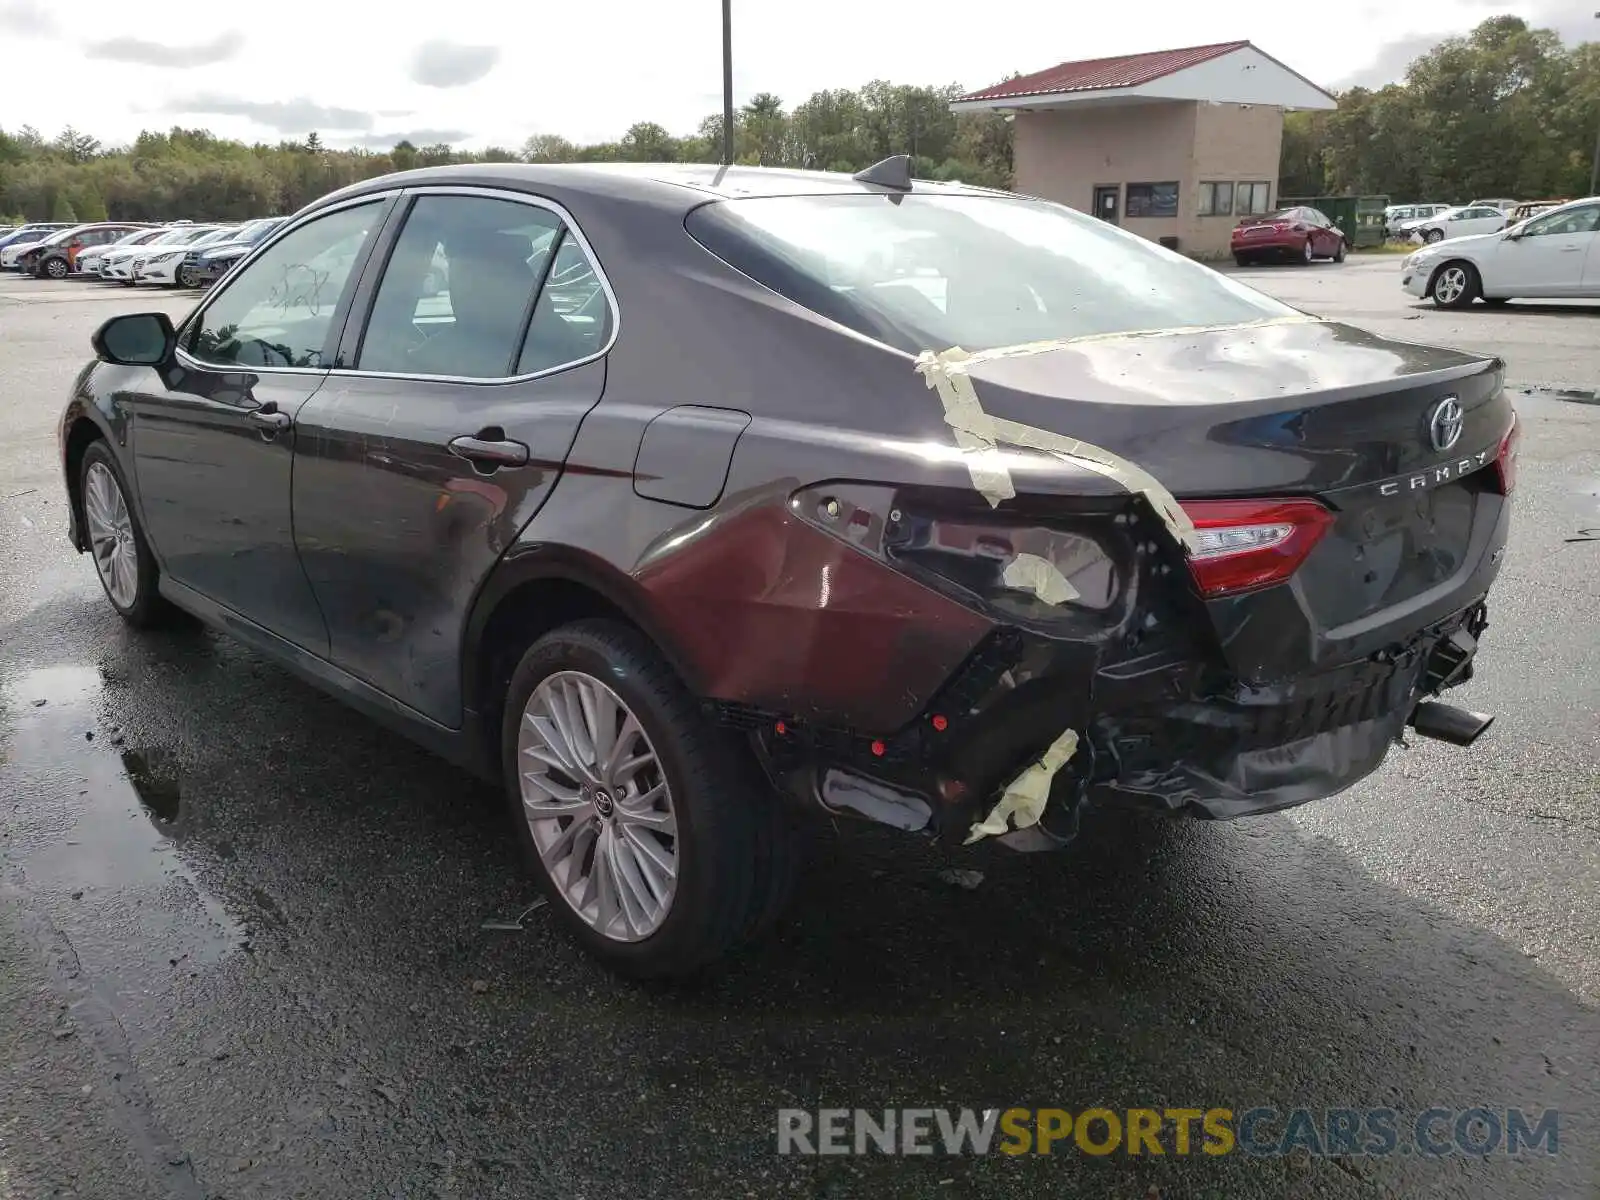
(135, 340)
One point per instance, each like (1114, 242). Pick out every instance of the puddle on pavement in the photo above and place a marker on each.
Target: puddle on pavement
(91, 828)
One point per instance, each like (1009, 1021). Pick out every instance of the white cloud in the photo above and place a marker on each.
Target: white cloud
(607, 64)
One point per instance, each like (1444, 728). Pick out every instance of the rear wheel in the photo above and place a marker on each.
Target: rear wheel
(647, 826)
(1242, 260)
(1308, 254)
(1455, 285)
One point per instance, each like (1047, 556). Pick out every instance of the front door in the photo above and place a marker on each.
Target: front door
(214, 436)
(417, 467)
(1549, 258)
(1107, 201)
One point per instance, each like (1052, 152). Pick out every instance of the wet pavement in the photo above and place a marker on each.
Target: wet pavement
(242, 954)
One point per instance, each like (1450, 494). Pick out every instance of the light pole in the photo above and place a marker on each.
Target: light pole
(1594, 171)
(727, 82)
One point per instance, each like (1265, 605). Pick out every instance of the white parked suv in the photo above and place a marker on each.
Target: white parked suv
(1465, 221)
(1555, 255)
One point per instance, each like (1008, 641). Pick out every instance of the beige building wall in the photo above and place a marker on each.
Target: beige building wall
(1065, 154)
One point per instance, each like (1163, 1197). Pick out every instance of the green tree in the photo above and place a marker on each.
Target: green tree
(62, 210)
(404, 156)
(646, 141)
(547, 148)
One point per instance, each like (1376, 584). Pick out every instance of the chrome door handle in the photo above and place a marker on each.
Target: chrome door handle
(489, 453)
(269, 416)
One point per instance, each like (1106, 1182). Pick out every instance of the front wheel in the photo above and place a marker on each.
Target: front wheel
(122, 557)
(644, 823)
(1338, 255)
(1308, 254)
(56, 268)
(1455, 285)
(185, 277)
(1433, 235)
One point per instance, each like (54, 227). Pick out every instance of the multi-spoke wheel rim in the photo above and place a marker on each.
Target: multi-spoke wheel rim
(1308, 250)
(116, 554)
(1452, 282)
(597, 802)
(56, 269)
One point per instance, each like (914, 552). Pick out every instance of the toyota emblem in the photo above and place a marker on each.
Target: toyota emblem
(1444, 425)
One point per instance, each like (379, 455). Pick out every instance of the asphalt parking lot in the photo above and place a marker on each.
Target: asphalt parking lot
(242, 954)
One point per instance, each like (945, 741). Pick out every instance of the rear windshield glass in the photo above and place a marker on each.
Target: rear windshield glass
(925, 272)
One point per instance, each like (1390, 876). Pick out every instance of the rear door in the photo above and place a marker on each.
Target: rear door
(419, 462)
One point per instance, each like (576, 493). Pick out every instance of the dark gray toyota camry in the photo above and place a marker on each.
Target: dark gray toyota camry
(689, 502)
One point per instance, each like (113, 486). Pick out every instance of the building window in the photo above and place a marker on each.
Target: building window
(1152, 200)
(1255, 198)
(1216, 199)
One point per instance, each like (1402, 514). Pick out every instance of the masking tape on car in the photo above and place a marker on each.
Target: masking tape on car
(1030, 573)
(1025, 796)
(977, 433)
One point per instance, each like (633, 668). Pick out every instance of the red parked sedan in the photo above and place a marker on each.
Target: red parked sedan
(1297, 234)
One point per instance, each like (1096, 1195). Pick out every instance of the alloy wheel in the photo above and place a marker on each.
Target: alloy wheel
(56, 269)
(110, 528)
(1451, 283)
(598, 805)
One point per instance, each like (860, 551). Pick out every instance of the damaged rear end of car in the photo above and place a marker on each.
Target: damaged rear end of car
(1216, 555)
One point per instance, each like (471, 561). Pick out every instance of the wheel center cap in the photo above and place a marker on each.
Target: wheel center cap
(603, 803)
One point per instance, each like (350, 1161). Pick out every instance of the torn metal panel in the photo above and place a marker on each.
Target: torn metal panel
(1025, 796)
(1029, 572)
(976, 432)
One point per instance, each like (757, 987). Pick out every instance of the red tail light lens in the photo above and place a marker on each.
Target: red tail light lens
(1505, 459)
(1249, 544)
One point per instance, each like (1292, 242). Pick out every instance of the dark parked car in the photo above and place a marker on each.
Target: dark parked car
(700, 499)
(57, 256)
(1293, 234)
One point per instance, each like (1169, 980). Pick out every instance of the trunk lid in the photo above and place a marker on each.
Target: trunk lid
(1300, 409)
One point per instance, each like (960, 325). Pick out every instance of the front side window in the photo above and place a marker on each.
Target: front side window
(927, 272)
(459, 287)
(1254, 199)
(1152, 200)
(277, 312)
(1574, 220)
(1216, 199)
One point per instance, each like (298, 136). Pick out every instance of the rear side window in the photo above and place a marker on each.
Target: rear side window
(458, 291)
(925, 272)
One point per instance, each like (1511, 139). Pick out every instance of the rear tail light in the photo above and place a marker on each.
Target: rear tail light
(1505, 459)
(1242, 545)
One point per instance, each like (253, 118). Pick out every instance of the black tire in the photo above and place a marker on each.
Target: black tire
(1309, 254)
(147, 607)
(1433, 235)
(1241, 260)
(125, 282)
(55, 268)
(730, 868)
(184, 278)
(1455, 284)
(1338, 255)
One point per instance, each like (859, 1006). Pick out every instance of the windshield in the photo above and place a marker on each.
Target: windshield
(925, 272)
(215, 235)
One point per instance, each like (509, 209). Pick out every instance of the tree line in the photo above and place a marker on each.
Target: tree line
(1506, 111)
(193, 173)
